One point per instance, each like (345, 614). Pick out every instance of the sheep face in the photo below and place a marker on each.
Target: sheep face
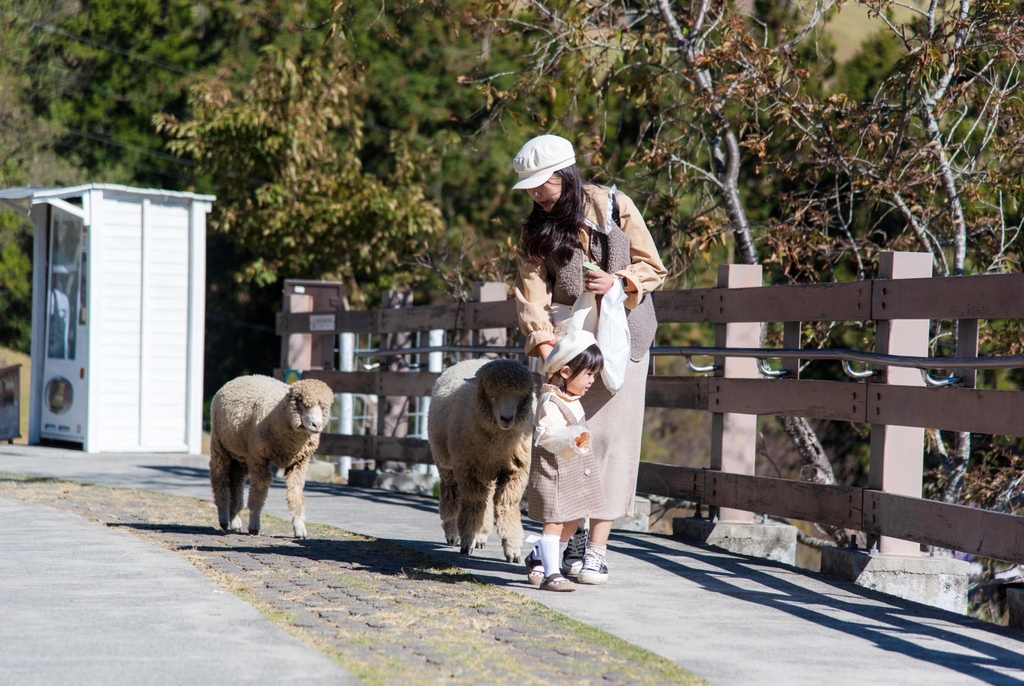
(504, 392)
(311, 401)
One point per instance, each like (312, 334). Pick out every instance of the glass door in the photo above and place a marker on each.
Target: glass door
(64, 380)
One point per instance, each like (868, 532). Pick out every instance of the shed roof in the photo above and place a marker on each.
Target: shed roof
(37, 194)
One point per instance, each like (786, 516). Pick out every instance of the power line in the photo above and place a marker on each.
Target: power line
(137, 164)
(128, 146)
(73, 79)
(99, 44)
(67, 145)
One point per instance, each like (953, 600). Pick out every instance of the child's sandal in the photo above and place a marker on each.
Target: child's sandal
(534, 570)
(557, 582)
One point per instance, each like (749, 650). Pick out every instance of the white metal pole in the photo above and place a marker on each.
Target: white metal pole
(435, 362)
(347, 353)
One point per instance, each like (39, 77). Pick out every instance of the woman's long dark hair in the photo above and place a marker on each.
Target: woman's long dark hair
(557, 233)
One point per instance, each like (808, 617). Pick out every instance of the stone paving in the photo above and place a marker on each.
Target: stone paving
(385, 613)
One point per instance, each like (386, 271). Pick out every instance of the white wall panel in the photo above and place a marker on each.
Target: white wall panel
(165, 325)
(118, 325)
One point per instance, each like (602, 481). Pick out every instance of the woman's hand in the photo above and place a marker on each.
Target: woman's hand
(597, 282)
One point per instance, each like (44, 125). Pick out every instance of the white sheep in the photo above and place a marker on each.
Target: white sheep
(480, 425)
(256, 424)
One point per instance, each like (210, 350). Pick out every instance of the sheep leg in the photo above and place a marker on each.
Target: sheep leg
(474, 508)
(507, 497)
(449, 506)
(480, 541)
(220, 482)
(237, 475)
(223, 475)
(295, 478)
(258, 487)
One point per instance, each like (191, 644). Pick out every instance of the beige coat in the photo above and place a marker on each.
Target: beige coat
(646, 272)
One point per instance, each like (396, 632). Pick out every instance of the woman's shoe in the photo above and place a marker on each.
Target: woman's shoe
(595, 570)
(572, 559)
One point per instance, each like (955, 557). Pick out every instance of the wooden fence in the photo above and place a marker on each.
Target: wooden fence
(10, 403)
(895, 403)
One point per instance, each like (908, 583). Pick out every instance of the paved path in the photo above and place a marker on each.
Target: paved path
(83, 604)
(730, 619)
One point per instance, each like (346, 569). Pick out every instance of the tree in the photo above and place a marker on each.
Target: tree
(29, 150)
(291, 188)
(99, 70)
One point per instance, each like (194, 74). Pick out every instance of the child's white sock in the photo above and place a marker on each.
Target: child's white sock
(549, 553)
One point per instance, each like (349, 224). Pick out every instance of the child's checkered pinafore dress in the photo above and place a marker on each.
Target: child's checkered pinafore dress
(563, 488)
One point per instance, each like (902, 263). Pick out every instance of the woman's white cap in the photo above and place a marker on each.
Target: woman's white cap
(567, 348)
(540, 158)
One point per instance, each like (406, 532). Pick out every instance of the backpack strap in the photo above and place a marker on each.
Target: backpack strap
(613, 206)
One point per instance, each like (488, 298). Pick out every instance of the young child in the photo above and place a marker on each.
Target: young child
(564, 483)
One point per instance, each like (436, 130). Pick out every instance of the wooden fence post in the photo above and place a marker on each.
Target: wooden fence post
(297, 348)
(393, 411)
(734, 436)
(897, 452)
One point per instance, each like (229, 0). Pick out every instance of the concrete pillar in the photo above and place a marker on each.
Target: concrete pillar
(734, 443)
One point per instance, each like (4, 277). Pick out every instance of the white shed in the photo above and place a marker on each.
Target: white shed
(118, 307)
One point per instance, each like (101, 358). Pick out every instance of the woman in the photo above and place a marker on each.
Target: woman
(572, 223)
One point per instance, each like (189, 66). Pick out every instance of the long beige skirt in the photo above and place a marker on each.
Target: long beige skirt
(616, 424)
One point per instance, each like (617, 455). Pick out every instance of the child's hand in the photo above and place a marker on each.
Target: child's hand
(583, 441)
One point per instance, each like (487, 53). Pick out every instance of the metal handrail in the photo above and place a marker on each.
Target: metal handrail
(394, 352)
(841, 355)
(762, 364)
(854, 374)
(877, 359)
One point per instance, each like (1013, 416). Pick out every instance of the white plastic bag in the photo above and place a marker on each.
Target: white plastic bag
(610, 328)
(613, 337)
(580, 316)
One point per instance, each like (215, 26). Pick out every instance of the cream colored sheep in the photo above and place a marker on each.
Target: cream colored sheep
(256, 424)
(480, 425)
